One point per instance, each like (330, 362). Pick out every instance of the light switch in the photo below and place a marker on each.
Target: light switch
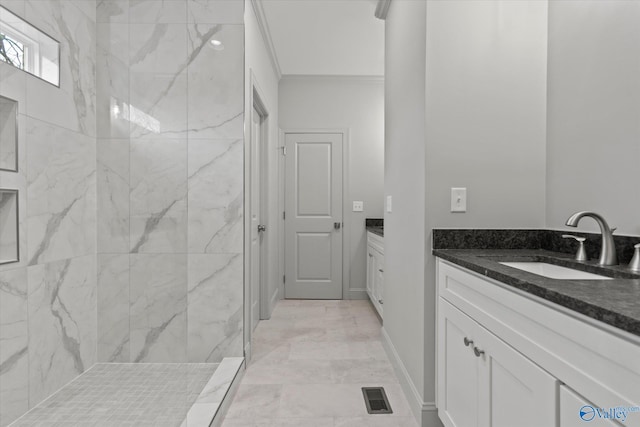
(358, 206)
(458, 200)
(388, 203)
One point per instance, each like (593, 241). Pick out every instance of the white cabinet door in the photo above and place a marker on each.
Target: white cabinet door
(513, 390)
(378, 283)
(457, 368)
(576, 411)
(370, 269)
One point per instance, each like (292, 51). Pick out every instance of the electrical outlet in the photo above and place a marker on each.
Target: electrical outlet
(388, 203)
(358, 206)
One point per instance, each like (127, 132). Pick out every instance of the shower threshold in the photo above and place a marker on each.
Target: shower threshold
(140, 394)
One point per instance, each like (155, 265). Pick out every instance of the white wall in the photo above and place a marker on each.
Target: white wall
(405, 245)
(466, 107)
(356, 104)
(594, 113)
(260, 71)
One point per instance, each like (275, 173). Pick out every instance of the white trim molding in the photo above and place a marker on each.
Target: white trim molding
(382, 9)
(424, 412)
(373, 78)
(266, 35)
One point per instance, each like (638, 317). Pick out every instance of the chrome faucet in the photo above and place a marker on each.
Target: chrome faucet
(608, 254)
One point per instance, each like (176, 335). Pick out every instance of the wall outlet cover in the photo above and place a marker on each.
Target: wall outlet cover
(358, 206)
(389, 204)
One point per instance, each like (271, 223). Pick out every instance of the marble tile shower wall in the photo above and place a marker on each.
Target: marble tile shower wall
(170, 180)
(48, 299)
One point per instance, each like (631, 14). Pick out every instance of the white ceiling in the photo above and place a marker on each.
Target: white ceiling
(326, 37)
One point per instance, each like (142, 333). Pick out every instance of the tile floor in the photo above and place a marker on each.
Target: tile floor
(115, 395)
(310, 361)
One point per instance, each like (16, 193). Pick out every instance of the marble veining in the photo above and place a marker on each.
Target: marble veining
(14, 364)
(113, 308)
(62, 323)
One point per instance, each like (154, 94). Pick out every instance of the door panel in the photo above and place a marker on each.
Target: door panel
(458, 368)
(518, 392)
(313, 224)
(256, 236)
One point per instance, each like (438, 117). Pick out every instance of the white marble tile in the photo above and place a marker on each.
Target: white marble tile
(220, 382)
(18, 181)
(61, 218)
(216, 196)
(73, 104)
(216, 12)
(113, 308)
(157, 47)
(216, 81)
(113, 196)
(289, 372)
(112, 81)
(321, 400)
(158, 298)
(158, 198)
(14, 363)
(62, 323)
(112, 11)
(13, 85)
(215, 306)
(281, 422)
(155, 11)
(375, 421)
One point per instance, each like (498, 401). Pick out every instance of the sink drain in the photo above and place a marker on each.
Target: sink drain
(376, 400)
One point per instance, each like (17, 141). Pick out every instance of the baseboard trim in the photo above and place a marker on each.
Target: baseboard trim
(425, 413)
(358, 293)
(275, 297)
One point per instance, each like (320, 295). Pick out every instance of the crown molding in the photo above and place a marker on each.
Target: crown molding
(382, 9)
(266, 35)
(332, 77)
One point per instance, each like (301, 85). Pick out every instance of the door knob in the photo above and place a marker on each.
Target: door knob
(337, 225)
(261, 228)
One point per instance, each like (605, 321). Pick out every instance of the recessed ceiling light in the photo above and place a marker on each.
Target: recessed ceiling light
(217, 44)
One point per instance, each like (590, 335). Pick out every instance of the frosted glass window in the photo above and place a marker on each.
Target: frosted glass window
(26, 47)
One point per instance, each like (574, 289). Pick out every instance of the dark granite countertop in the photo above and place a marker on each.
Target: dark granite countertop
(615, 302)
(376, 230)
(375, 225)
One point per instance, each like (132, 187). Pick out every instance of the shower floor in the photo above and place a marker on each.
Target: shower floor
(158, 395)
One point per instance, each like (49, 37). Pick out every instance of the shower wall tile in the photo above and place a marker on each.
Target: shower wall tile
(215, 196)
(62, 323)
(112, 81)
(216, 80)
(158, 298)
(113, 308)
(13, 85)
(158, 80)
(112, 11)
(216, 12)
(157, 12)
(158, 196)
(214, 310)
(61, 180)
(14, 362)
(72, 105)
(113, 196)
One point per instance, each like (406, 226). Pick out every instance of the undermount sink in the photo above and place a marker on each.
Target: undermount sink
(554, 271)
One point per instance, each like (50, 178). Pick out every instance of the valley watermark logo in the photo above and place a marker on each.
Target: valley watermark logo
(620, 413)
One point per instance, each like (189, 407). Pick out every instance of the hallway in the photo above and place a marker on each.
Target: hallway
(309, 363)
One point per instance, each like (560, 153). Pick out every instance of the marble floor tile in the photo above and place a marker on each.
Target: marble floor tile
(309, 363)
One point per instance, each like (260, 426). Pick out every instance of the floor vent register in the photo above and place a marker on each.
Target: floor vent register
(376, 400)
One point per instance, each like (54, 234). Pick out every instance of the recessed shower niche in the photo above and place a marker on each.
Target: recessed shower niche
(9, 251)
(8, 134)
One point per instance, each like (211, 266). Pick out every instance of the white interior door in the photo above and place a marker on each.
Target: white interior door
(257, 228)
(313, 224)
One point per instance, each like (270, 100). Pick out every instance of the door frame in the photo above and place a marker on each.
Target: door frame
(256, 98)
(346, 197)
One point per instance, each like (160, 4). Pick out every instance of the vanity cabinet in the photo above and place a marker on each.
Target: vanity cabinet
(485, 382)
(505, 357)
(375, 271)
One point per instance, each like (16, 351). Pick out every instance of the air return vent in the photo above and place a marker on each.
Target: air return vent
(376, 400)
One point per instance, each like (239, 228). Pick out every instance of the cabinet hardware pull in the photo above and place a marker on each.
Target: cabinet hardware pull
(478, 352)
(381, 301)
(467, 342)
(381, 270)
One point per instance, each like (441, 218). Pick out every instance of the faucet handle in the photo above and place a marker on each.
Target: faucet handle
(634, 265)
(581, 255)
